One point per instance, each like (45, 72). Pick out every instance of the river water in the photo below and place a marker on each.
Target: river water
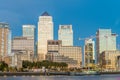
(92, 77)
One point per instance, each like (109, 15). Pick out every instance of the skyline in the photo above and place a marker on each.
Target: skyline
(82, 15)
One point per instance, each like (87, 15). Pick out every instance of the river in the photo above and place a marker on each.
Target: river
(92, 77)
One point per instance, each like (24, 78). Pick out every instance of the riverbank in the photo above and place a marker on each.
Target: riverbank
(53, 73)
(32, 73)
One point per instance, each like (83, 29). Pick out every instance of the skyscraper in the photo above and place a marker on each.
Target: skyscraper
(5, 42)
(89, 52)
(45, 32)
(65, 34)
(105, 40)
(28, 31)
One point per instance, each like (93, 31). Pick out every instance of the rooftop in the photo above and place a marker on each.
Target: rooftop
(45, 14)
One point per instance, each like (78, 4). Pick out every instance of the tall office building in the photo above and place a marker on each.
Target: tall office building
(5, 36)
(105, 40)
(89, 52)
(28, 31)
(45, 32)
(65, 34)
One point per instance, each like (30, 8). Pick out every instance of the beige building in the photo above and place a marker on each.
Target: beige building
(53, 46)
(45, 32)
(8, 60)
(20, 56)
(110, 60)
(23, 45)
(68, 54)
(5, 47)
(72, 52)
(89, 52)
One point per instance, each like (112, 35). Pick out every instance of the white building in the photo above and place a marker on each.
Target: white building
(105, 40)
(45, 32)
(28, 31)
(65, 34)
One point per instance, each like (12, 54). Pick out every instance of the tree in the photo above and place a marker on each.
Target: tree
(3, 66)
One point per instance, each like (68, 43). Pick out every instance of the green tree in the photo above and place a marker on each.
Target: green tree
(3, 66)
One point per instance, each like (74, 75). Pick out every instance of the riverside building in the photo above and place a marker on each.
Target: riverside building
(45, 32)
(68, 54)
(110, 60)
(23, 45)
(89, 52)
(105, 40)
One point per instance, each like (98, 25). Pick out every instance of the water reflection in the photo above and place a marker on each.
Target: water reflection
(100, 77)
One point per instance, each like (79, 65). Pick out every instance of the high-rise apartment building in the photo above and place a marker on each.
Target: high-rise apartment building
(89, 52)
(105, 40)
(45, 32)
(5, 42)
(65, 34)
(28, 31)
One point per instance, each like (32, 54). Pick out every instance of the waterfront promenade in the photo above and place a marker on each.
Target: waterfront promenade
(52, 73)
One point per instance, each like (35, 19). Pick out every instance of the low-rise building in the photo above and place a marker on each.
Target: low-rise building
(8, 60)
(68, 54)
(73, 52)
(110, 60)
(23, 45)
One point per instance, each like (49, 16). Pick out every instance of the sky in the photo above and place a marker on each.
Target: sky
(86, 16)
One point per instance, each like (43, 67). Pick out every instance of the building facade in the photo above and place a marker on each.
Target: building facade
(110, 60)
(45, 32)
(89, 52)
(73, 52)
(53, 46)
(105, 40)
(65, 33)
(28, 31)
(23, 44)
(68, 54)
(5, 36)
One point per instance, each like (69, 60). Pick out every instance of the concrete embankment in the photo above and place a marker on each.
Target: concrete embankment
(51, 73)
(31, 73)
(102, 73)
